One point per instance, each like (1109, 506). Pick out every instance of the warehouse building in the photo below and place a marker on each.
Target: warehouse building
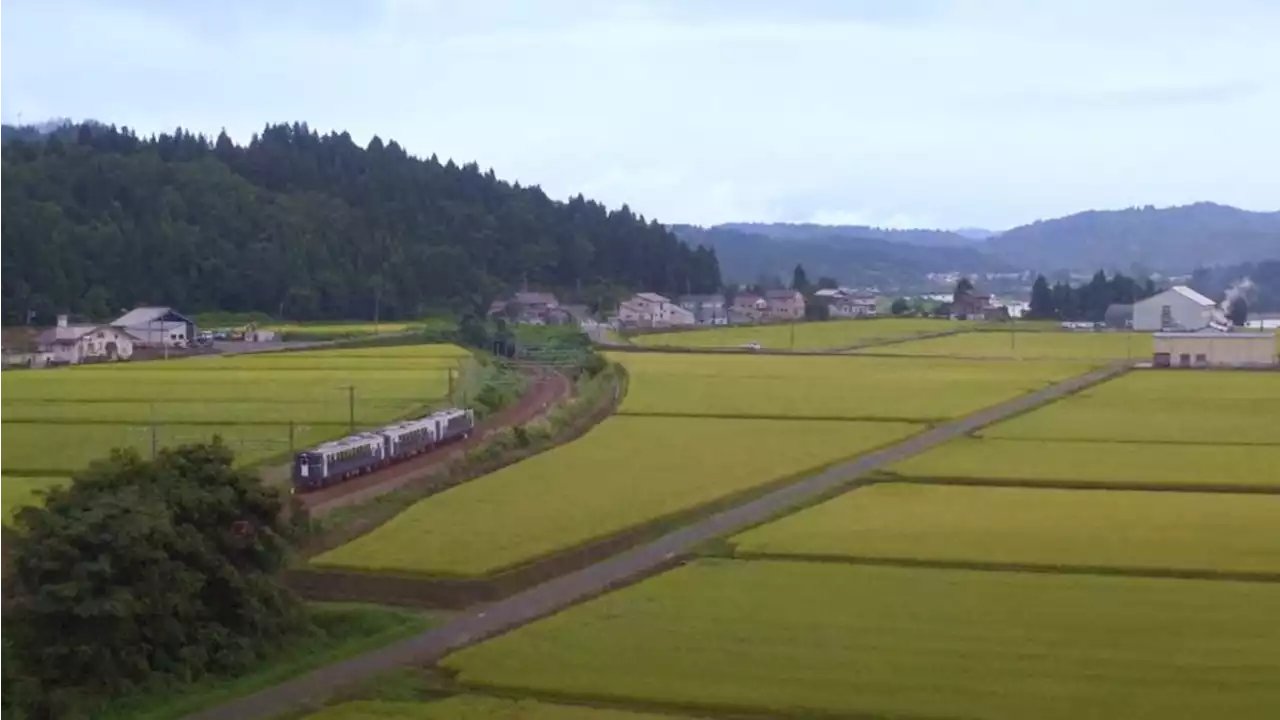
(1179, 308)
(1214, 349)
(157, 327)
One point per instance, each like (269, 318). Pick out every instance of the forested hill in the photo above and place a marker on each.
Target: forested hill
(96, 219)
(1174, 239)
(746, 256)
(809, 232)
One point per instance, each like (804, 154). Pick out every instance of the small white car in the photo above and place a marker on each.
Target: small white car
(751, 346)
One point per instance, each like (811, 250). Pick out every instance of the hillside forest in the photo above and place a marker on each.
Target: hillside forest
(301, 225)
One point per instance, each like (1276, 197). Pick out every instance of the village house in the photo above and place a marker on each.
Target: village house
(748, 307)
(530, 308)
(972, 306)
(706, 309)
(784, 305)
(853, 307)
(67, 344)
(653, 310)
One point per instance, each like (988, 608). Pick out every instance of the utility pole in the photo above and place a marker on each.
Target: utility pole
(154, 442)
(793, 335)
(351, 407)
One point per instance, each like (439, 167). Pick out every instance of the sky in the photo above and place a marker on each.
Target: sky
(896, 113)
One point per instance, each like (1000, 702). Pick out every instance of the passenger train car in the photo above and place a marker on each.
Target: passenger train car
(337, 460)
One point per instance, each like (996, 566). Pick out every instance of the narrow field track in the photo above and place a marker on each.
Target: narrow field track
(545, 389)
(505, 615)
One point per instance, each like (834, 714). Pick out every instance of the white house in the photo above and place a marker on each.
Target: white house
(853, 307)
(75, 344)
(157, 326)
(706, 309)
(1178, 308)
(653, 310)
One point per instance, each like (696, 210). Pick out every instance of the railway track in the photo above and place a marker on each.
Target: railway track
(545, 389)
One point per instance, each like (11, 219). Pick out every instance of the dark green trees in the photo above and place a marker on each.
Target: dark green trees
(1088, 301)
(301, 225)
(139, 572)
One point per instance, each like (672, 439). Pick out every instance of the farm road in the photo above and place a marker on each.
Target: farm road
(504, 615)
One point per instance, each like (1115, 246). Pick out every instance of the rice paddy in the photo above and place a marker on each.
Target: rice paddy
(473, 707)
(1093, 346)
(624, 473)
(1218, 408)
(828, 335)
(928, 389)
(1212, 532)
(801, 639)
(19, 492)
(57, 421)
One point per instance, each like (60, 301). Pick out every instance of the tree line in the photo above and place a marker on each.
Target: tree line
(1087, 302)
(301, 225)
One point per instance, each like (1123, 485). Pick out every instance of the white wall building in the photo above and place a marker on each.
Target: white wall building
(75, 344)
(1178, 308)
(653, 310)
(157, 326)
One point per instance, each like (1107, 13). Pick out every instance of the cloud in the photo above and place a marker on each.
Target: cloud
(932, 112)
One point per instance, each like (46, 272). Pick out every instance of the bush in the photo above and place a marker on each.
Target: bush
(139, 573)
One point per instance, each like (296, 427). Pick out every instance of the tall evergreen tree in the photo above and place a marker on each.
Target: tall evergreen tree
(800, 280)
(1042, 306)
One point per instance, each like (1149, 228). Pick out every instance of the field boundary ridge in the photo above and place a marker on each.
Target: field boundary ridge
(1101, 485)
(1134, 571)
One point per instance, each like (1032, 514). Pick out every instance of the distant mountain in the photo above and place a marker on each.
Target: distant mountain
(976, 233)
(810, 231)
(745, 256)
(1171, 240)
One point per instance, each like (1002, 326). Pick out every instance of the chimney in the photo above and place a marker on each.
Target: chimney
(62, 321)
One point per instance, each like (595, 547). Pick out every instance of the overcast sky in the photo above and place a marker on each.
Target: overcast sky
(931, 113)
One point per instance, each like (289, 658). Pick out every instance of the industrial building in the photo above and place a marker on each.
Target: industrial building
(1211, 348)
(1177, 309)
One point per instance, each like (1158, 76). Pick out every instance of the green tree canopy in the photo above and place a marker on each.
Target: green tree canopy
(141, 571)
(305, 225)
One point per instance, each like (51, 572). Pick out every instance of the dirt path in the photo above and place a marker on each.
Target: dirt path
(502, 616)
(545, 388)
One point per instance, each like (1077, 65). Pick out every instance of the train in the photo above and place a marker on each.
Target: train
(339, 460)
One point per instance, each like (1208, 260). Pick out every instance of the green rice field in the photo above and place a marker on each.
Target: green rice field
(1097, 462)
(827, 335)
(19, 492)
(1161, 406)
(802, 639)
(625, 472)
(57, 421)
(473, 707)
(1028, 346)
(1118, 529)
(827, 387)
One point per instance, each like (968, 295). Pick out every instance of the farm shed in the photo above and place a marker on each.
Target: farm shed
(157, 326)
(1178, 308)
(74, 344)
(1214, 349)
